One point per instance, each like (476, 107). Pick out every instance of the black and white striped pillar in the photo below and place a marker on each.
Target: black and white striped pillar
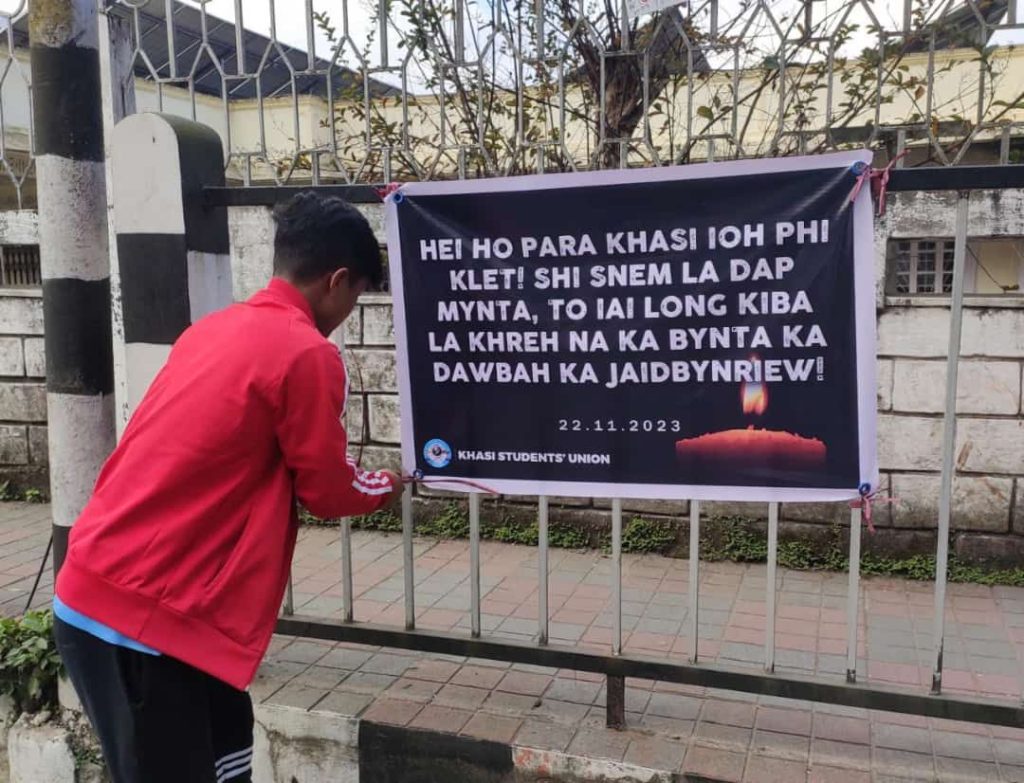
(71, 184)
(173, 252)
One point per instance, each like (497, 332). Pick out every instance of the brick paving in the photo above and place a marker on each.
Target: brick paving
(720, 735)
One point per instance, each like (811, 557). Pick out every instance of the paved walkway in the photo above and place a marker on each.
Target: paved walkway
(719, 735)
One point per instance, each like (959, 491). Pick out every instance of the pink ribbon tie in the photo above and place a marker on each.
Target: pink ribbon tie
(386, 190)
(864, 504)
(879, 179)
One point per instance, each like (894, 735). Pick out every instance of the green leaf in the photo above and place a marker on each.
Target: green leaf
(705, 112)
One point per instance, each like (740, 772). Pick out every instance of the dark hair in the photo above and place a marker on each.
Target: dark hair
(317, 235)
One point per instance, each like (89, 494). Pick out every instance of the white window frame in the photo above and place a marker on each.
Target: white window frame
(943, 252)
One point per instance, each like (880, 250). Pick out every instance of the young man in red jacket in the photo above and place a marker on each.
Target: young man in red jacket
(176, 568)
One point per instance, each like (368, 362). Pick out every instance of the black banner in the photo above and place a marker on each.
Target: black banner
(686, 332)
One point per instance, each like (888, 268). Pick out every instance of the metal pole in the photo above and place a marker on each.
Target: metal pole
(853, 596)
(289, 597)
(615, 702)
(346, 569)
(311, 37)
(407, 558)
(538, 10)
(382, 28)
(118, 81)
(459, 33)
(956, 311)
(239, 39)
(474, 563)
(172, 49)
(67, 111)
(617, 576)
(624, 26)
(542, 571)
(694, 576)
(615, 687)
(770, 586)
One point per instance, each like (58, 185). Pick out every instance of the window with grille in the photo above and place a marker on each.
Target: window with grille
(19, 266)
(920, 266)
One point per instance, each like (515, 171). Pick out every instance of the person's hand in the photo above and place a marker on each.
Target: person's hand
(398, 487)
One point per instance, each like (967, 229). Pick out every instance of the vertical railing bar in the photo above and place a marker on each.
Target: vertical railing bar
(289, 596)
(408, 561)
(539, 29)
(474, 563)
(239, 39)
(626, 44)
(310, 37)
(617, 576)
(949, 433)
(853, 596)
(459, 33)
(908, 19)
(542, 570)
(346, 569)
(382, 25)
(172, 48)
(694, 577)
(771, 587)
(1011, 12)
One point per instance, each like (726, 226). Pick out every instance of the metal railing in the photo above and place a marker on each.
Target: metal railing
(457, 88)
(617, 664)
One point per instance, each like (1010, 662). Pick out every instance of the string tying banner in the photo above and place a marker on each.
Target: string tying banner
(428, 482)
(879, 179)
(864, 503)
(386, 190)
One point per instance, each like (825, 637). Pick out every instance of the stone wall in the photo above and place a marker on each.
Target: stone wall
(23, 451)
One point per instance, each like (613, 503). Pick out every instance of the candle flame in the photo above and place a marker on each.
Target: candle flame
(755, 397)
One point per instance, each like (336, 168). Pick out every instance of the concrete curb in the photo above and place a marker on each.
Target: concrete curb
(8, 715)
(311, 746)
(544, 764)
(39, 753)
(325, 747)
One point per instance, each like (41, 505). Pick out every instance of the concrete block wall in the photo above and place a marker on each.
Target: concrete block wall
(23, 449)
(990, 431)
(913, 347)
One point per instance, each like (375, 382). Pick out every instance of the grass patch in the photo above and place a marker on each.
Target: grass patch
(11, 494)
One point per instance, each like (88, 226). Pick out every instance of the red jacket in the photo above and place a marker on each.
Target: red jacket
(186, 543)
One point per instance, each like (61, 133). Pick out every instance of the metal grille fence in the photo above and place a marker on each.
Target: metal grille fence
(459, 88)
(413, 89)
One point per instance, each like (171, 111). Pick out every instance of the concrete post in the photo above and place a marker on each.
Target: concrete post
(73, 245)
(117, 50)
(173, 252)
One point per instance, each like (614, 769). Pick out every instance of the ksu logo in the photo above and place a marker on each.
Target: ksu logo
(437, 453)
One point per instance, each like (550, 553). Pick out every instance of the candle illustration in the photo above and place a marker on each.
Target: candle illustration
(751, 447)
